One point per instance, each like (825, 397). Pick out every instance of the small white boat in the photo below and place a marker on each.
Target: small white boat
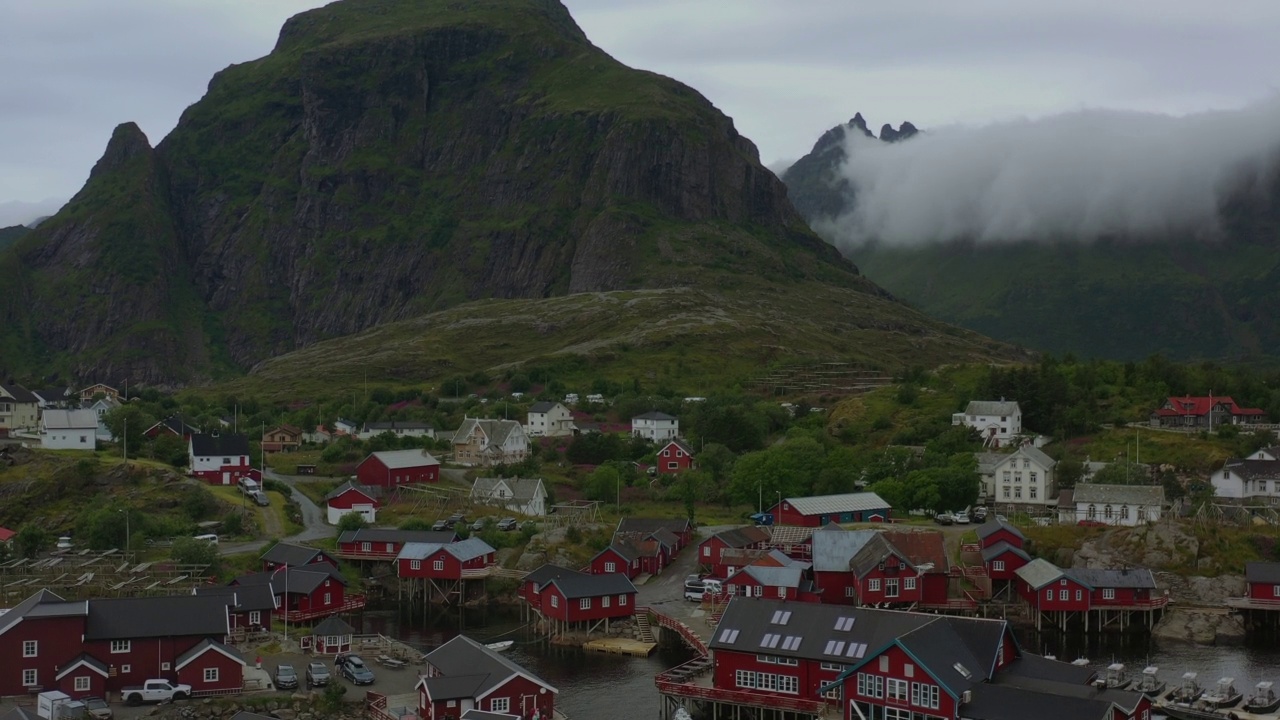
(1150, 683)
(682, 714)
(500, 646)
(1223, 696)
(1117, 678)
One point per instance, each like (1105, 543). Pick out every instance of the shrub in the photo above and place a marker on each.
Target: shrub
(351, 521)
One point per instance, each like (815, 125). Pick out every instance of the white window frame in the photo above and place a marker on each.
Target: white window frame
(30, 677)
(909, 583)
(438, 565)
(610, 567)
(873, 585)
(584, 603)
(121, 646)
(328, 598)
(211, 674)
(415, 564)
(604, 601)
(555, 601)
(83, 683)
(30, 648)
(255, 617)
(997, 566)
(897, 689)
(499, 704)
(1108, 593)
(622, 600)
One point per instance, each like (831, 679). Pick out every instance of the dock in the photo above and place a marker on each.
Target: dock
(621, 646)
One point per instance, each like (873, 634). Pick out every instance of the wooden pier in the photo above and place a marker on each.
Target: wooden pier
(621, 646)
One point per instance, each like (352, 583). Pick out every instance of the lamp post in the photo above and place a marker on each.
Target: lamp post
(126, 530)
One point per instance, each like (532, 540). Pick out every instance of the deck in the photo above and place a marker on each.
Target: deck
(352, 602)
(621, 646)
(1248, 603)
(694, 680)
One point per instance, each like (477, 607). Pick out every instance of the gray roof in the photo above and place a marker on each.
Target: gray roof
(200, 647)
(454, 687)
(474, 714)
(623, 549)
(29, 606)
(743, 537)
(464, 550)
(496, 430)
(397, 425)
(69, 419)
(1037, 455)
(1046, 700)
(165, 616)
(348, 485)
(283, 553)
(680, 444)
(300, 579)
(1003, 408)
(546, 573)
(647, 526)
(19, 393)
(1124, 578)
(1150, 495)
(833, 549)
(522, 489)
(1067, 498)
(1000, 548)
(1254, 469)
(93, 662)
(1254, 572)
(1035, 666)
(987, 461)
(401, 459)
(385, 535)
(995, 524)
(332, 625)
(581, 585)
(243, 598)
(463, 656)
(203, 445)
(873, 552)
(1038, 573)
(847, 502)
(653, 415)
(542, 406)
(20, 713)
(790, 576)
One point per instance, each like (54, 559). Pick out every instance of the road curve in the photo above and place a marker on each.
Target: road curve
(313, 521)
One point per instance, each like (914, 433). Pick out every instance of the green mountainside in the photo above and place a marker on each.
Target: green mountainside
(10, 235)
(1121, 298)
(395, 158)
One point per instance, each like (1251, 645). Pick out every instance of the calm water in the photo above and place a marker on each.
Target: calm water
(595, 685)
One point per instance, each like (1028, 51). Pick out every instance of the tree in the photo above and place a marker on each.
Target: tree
(351, 521)
(137, 420)
(1122, 473)
(171, 449)
(103, 528)
(30, 540)
(190, 551)
(717, 460)
(1068, 472)
(604, 483)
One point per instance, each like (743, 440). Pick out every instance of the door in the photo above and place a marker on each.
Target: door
(226, 478)
(528, 705)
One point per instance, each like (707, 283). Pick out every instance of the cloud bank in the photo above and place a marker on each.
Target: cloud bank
(1074, 176)
(15, 212)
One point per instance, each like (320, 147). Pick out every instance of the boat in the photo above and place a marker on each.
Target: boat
(1117, 678)
(1185, 712)
(500, 646)
(1150, 684)
(1223, 696)
(1263, 700)
(1187, 692)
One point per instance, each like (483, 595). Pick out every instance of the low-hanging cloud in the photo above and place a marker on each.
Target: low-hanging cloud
(1075, 176)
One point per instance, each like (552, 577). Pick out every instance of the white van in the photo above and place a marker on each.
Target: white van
(249, 486)
(209, 538)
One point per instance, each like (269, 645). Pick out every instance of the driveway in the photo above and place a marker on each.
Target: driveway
(313, 520)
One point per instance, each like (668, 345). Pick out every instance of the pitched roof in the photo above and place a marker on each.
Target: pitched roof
(846, 502)
(453, 687)
(42, 599)
(332, 625)
(86, 660)
(1119, 494)
(474, 714)
(177, 425)
(581, 585)
(873, 552)
(992, 407)
(994, 551)
(1067, 498)
(522, 489)
(1045, 700)
(1038, 573)
(20, 713)
(440, 537)
(401, 459)
(243, 598)
(742, 537)
(1254, 572)
(790, 576)
(542, 407)
(297, 579)
(653, 415)
(464, 550)
(210, 445)
(921, 547)
(832, 550)
(19, 393)
(987, 461)
(69, 419)
(680, 444)
(283, 553)
(1200, 405)
(206, 645)
(647, 526)
(1037, 455)
(397, 425)
(163, 616)
(463, 656)
(496, 430)
(622, 549)
(994, 525)
(1123, 578)
(546, 573)
(348, 485)
(51, 395)
(6, 534)
(1254, 469)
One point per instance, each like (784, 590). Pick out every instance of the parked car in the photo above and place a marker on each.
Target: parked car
(64, 543)
(457, 519)
(353, 668)
(980, 513)
(944, 519)
(317, 674)
(261, 499)
(694, 588)
(961, 518)
(208, 537)
(508, 523)
(154, 691)
(479, 524)
(97, 708)
(286, 678)
(440, 525)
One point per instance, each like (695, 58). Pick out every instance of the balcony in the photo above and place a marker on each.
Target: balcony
(699, 685)
(352, 602)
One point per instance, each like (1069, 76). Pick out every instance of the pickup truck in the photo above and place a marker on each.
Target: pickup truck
(154, 691)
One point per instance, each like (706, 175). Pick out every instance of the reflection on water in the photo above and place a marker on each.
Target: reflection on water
(595, 685)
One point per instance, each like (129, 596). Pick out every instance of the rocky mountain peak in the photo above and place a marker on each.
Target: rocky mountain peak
(904, 131)
(127, 142)
(860, 123)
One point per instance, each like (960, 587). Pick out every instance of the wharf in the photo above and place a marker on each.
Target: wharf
(621, 646)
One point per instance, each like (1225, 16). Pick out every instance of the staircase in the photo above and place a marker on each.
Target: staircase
(642, 623)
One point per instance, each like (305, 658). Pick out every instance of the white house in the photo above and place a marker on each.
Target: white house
(219, 459)
(549, 419)
(99, 408)
(343, 426)
(987, 464)
(399, 428)
(490, 442)
(1248, 481)
(656, 427)
(1025, 478)
(68, 430)
(1266, 453)
(351, 498)
(998, 421)
(19, 409)
(526, 496)
(1111, 504)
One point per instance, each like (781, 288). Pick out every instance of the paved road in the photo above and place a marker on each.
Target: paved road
(666, 591)
(313, 520)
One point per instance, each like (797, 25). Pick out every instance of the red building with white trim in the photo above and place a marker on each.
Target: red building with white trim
(393, 468)
(386, 544)
(620, 557)
(570, 598)
(249, 607)
(711, 551)
(351, 498)
(219, 459)
(675, 457)
(292, 555)
(464, 675)
(996, 531)
(819, 510)
(680, 528)
(449, 561)
(1003, 560)
(309, 592)
(1263, 579)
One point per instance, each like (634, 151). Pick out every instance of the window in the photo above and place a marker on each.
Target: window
(853, 591)
(1026, 463)
(897, 714)
(1017, 477)
(891, 587)
(1106, 512)
(84, 438)
(211, 674)
(672, 465)
(884, 663)
(366, 547)
(1033, 476)
(500, 704)
(1006, 476)
(1079, 595)
(789, 684)
(29, 648)
(415, 564)
(924, 695)
(997, 566)
(897, 689)
(438, 565)
(1108, 593)
(391, 547)
(255, 617)
(120, 646)
(29, 678)
(1262, 486)
(165, 666)
(328, 598)
(610, 567)
(604, 601)
(1048, 594)
(1006, 492)
(909, 583)
(745, 679)
(832, 666)
(555, 601)
(1017, 492)
(622, 600)
(1124, 512)
(82, 683)
(226, 461)
(706, 551)
(835, 693)
(1064, 595)
(873, 584)
(1033, 492)
(909, 670)
(126, 669)
(584, 604)
(1092, 513)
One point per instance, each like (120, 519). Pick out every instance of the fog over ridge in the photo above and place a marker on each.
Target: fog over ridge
(1074, 176)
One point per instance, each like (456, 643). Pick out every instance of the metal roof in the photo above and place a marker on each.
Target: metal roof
(401, 459)
(523, 489)
(828, 504)
(653, 415)
(995, 524)
(348, 485)
(1088, 493)
(441, 537)
(332, 625)
(1039, 572)
(283, 553)
(243, 598)
(70, 419)
(1262, 572)
(771, 576)
(211, 445)
(496, 430)
(581, 585)
(992, 407)
(988, 461)
(165, 616)
(1124, 578)
(463, 656)
(1000, 548)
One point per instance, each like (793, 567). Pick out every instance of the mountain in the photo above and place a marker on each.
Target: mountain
(817, 188)
(10, 235)
(1177, 292)
(390, 159)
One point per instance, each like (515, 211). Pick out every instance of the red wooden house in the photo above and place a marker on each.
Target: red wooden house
(531, 586)
(1048, 588)
(711, 550)
(680, 528)
(210, 667)
(1123, 588)
(675, 457)
(218, 459)
(385, 544)
(996, 531)
(174, 425)
(581, 599)
(95, 646)
(288, 554)
(351, 498)
(393, 468)
(819, 510)
(655, 549)
(885, 575)
(773, 576)
(1002, 561)
(464, 675)
(620, 557)
(331, 636)
(1263, 579)
(306, 593)
(449, 561)
(832, 549)
(927, 553)
(249, 607)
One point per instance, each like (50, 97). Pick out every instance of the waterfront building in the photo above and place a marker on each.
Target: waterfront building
(386, 543)
(819, 510)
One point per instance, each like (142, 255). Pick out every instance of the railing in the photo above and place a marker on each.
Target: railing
(213, 693)
(1249, 602)
(367, 555)
(1136, 604)
(352, 602)
(377, 705)
(476, 573)
(740, 697)
(685, 632)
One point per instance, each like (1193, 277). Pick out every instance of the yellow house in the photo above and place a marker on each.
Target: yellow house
(19, 409)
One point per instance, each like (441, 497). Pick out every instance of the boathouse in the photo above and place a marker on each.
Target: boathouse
(1260, 605)
(386, 544)
(774, 576)
(570, 600)
(306, 593)
(351, 498)
(711, 551)
(284, 554)
(249, 607)
(463, 675)
(1099, 599)
(995, 531)
(620, 557)
(680, 528)
(832, 549)
(819, 510)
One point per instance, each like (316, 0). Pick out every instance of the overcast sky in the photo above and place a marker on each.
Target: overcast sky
(785, 70)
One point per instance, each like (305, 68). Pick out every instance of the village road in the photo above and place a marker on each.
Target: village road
(313, 520)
